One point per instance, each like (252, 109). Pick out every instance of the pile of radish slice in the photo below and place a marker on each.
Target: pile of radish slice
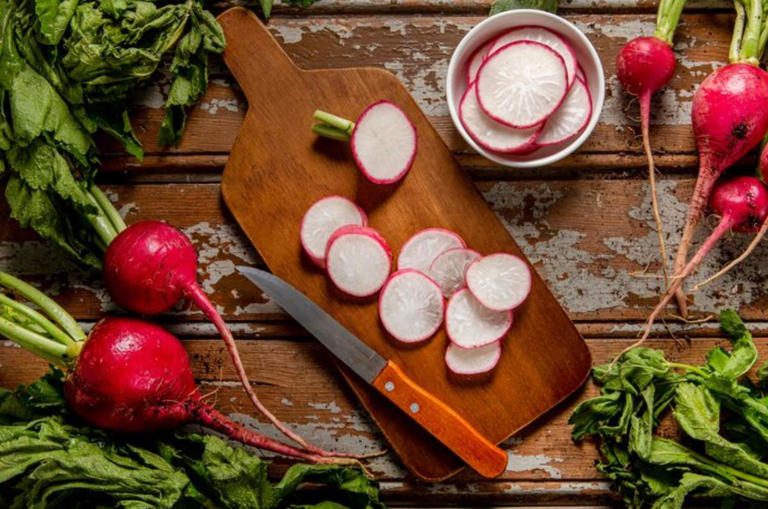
(433, 266)
(525, 90)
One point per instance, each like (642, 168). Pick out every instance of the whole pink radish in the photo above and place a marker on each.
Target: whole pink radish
(644, 66)
(742, 204)
(149, 268)
(127, 375)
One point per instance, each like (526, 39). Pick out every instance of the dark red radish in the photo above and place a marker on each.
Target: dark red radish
(472, 361)
(411, 306)
(730, 118)
(149, 268)
(450, 268)
(322, 219)
(421, 249)
(492, 135)
(358, 260)
(469, 324)
(570, 118)
(544, 36)
(476, 60)
(742, 204)
(522, 84)
(500, 281)
(127, 375)
(762, 164)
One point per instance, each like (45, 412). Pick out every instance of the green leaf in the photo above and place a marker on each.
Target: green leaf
(743, 354)
(53, 17)
(509, 5)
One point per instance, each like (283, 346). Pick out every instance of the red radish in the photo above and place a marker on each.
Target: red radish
(581, 76)
(472, 361)
(358, 260)
(149, 268)
(127, 375)
(449, 269)
(322, 219)
(469, 324)
(569, 120)
(384, 143)
(730, 117)
(490, 134)
(411, 306)
(742, 204)
(476, 60)
(544, 36)
(499, 281)
(522, 84)
(420, 251)
(762, 164)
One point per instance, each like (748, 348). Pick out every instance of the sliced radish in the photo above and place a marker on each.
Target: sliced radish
(522, 84)
(500, 281)
(323, 218)
(472, 361)
(490, 134)
(476, 60)
(572, 116)
(420, 251)
(471, 325)
(358, 260)
(580, 75)
(384, 143)
(449, 268)
(546, 37)
(411, 306)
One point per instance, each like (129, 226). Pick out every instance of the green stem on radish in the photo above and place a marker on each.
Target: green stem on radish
(55, 312)
(50, 350)
(332, 126)
(738, 32)
(750, 50)
(105, 204)
(667, 19)
(36, 318)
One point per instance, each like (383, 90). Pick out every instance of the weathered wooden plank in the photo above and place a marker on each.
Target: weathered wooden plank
(590, 239)
(299, 383)
(417, 49)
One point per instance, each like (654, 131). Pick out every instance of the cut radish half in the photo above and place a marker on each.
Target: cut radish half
(499, 281)
(580, 74)
(323, 218)
(358, 260)
(411, 306)
(449, 268)
(471, 325)
(572, 116)
(546, 37)
(384, 143)
(522, 84)
(420, 251)
(472, 361)
(490, 134)
(476, 60)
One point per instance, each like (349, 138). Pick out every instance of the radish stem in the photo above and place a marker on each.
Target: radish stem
(105, 204)
(49, 349)
(36, 318)
(667, 19)
(329, 132)
(332, 126)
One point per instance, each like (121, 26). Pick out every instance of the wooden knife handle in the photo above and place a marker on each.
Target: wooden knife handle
(441, 421)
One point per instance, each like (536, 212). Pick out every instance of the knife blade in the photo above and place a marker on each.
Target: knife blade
(386, 376)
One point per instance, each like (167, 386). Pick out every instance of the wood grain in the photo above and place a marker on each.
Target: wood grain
(271, 180)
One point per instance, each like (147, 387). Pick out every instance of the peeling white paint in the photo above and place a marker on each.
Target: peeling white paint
(529, 463)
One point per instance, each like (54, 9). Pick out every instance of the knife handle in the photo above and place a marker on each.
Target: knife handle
(441, 421)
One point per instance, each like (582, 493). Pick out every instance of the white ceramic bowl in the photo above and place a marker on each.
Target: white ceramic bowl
(498, 24)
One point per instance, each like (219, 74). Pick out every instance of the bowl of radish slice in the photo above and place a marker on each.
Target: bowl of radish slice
(525, 88)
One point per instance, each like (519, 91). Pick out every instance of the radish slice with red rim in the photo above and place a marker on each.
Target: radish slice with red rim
(449, 269)
(472, 361)
(490, 134)
(471, 325)
(569, 120)
(580, 75)
(420, 251)
(546, 37)
(323, 218)
(499, 281)
(476, 60)
(411, 306)
(358, 260)
(384, 143)
(522, 84)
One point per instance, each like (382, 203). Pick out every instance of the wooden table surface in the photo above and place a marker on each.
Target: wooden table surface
(584, 222)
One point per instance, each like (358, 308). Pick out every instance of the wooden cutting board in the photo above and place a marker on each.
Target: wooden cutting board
(278, 168)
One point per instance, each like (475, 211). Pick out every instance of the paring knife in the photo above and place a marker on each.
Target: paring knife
(386, 376)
